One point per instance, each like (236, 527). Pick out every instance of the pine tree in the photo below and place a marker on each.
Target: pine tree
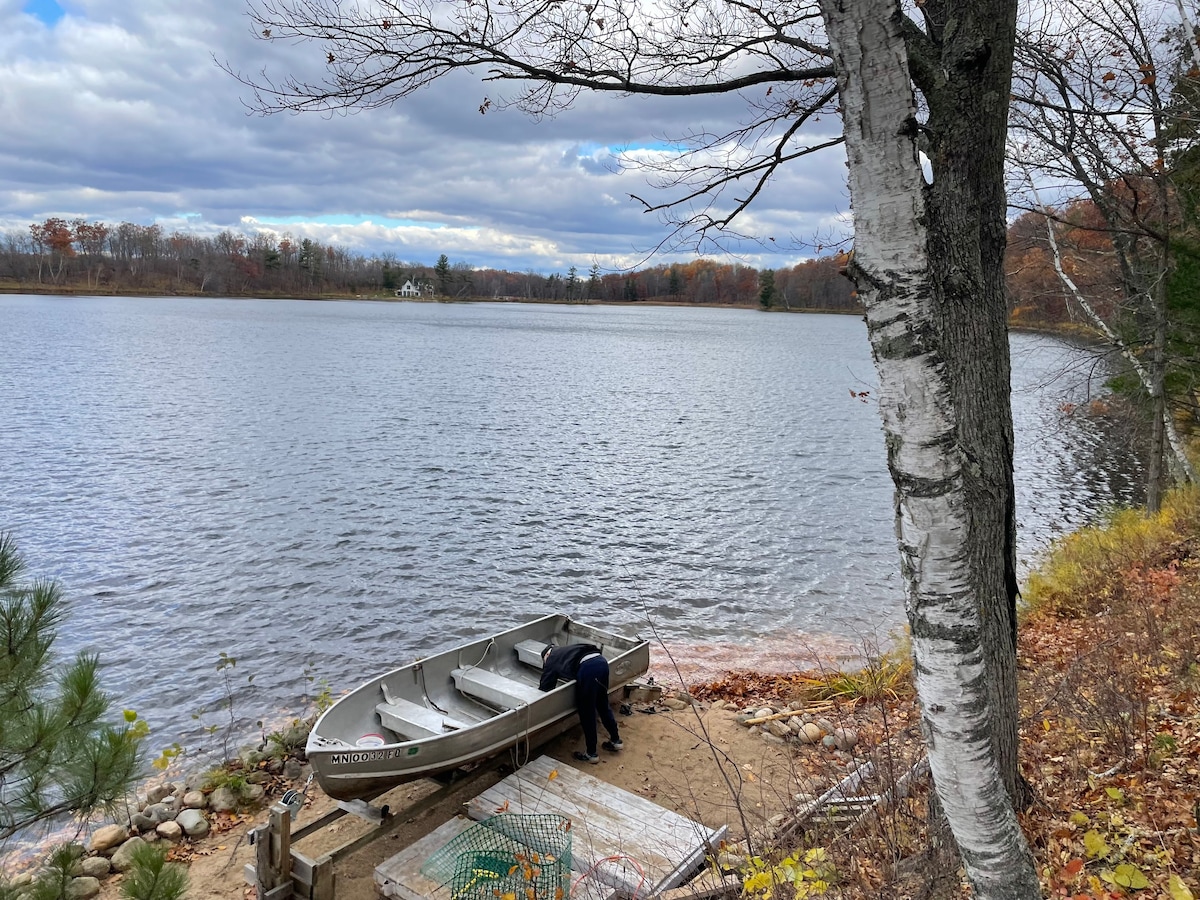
(58, 755)
(766, 288)
(441, 272)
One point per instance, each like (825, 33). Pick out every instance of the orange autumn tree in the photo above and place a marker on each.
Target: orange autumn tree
(52, 241)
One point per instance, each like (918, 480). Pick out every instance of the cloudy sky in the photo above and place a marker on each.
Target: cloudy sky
(115, 110)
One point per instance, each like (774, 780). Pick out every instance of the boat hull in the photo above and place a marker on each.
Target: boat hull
(457, 707)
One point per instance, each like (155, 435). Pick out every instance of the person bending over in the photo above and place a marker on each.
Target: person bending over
(586, 665)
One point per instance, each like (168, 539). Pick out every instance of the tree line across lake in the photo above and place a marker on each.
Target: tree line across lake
(79, 255)
(58, 254)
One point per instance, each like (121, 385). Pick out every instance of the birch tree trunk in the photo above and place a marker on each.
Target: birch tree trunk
(928, 263)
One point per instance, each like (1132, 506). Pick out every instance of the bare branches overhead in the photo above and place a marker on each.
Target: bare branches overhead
(539, 55)
(376, 53)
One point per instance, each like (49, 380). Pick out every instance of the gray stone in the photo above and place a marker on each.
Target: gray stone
(275, 766)
(170, 831)
(160, 792)
(846, 739)
(254, 793)
(795, 706)
(829, 742)
(763, 711)
(293, 770)
(773, 739)
(83, 887)
(194, 800)
(122, 860)
(93, 867)
(193, 823)
(779, 728)
(107, 837)
(826, 725)
(222, 800)
(142, 822)
(22, 879)
(158, 812)
(150, 837)
(675, 704)
(251, 758)
(719, 704)
(258, 777)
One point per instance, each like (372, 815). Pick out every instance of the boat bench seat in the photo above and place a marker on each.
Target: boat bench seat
(493, 689)
(411, 720)
(530, 652)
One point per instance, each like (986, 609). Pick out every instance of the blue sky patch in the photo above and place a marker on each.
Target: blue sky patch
(46, 10)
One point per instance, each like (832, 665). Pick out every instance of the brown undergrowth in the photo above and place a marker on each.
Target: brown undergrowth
(1109, 654)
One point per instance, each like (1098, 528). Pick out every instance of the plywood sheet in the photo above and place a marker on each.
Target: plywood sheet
(620, 839)
(400, 876)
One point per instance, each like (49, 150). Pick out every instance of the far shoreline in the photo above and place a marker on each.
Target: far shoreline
(43, 290)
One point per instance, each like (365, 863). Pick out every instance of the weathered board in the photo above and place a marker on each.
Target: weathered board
(620, 839)
(400, 877)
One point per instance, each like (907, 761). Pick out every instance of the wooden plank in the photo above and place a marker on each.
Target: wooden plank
(837, 795)
(364, 810)
(624, 840)
(401, 878)
(395, 820)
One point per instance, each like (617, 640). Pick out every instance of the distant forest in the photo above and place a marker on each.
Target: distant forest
(92, 256)
(78, 255)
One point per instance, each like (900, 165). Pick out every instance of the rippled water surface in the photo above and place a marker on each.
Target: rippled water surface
(335, 488)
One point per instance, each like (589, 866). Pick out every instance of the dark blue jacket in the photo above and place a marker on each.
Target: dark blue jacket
(563, 663)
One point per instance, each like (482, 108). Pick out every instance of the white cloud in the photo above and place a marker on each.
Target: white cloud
(118, 112)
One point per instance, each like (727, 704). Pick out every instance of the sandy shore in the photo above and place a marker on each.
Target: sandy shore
(699, 763)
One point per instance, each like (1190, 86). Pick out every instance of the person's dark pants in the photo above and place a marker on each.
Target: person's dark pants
(591, 698)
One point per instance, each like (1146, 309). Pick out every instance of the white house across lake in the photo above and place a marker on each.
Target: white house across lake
(414, 289)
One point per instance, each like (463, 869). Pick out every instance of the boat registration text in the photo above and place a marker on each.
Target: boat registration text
(362, 756)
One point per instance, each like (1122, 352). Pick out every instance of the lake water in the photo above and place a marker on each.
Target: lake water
(327, 490)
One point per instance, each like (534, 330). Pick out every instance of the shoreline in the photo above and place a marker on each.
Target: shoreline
(78, 291)
(1065, 331)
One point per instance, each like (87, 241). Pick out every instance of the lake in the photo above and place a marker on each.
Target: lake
(323, 490)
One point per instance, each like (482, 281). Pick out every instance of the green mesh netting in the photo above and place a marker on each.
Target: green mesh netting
(509, 876)
(506, 855)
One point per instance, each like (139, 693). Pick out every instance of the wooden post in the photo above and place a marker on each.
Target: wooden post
(273, 855)
(322, 883)
(313, 878)
(264, 878)
(280, 821)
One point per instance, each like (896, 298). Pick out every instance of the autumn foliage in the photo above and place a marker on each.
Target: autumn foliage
(1109, 655)
(133, 258)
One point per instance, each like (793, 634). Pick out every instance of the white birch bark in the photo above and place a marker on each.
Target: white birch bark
(891, 267)
(1190, 30)
(1182, 466)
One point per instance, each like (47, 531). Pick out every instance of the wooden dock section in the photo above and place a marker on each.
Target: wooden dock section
(623, 845)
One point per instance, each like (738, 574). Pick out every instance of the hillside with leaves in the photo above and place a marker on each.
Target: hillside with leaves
(1109, 653)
